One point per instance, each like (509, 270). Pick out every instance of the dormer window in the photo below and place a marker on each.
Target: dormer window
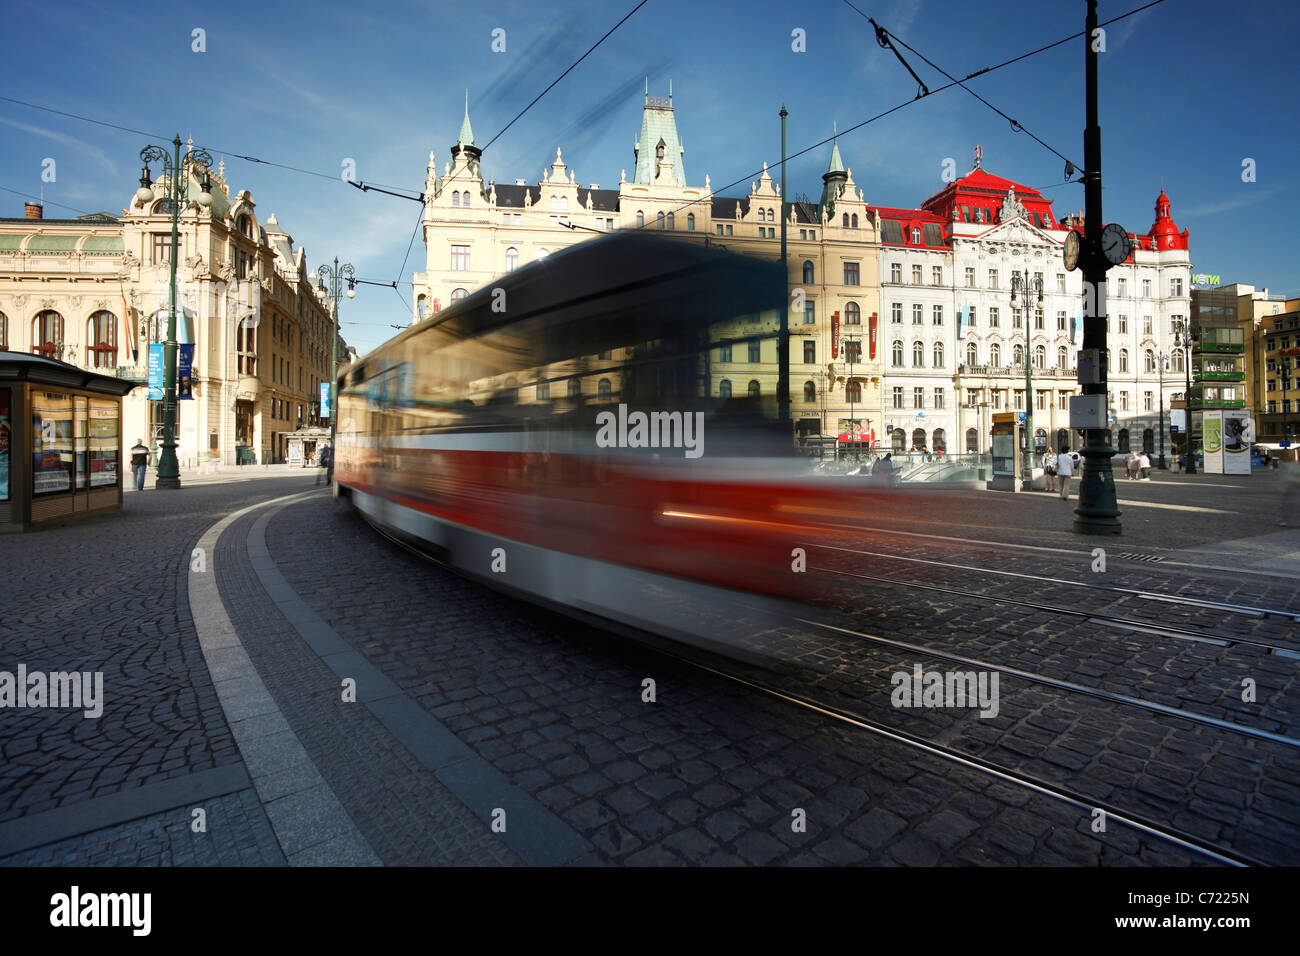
(916, 235)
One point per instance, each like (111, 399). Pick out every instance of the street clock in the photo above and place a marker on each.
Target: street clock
(1073, 246)
(1115, 244)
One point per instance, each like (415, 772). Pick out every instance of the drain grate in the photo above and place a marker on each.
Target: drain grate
(1134, 556)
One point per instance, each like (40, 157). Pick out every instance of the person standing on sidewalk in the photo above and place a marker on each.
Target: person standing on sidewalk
(1049, 470)
(326, 462)
(139, 462)
(1064, 472)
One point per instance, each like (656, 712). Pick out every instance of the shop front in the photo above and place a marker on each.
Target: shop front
(61, 442)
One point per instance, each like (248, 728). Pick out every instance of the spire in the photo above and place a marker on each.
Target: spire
(466, 133)
(837, 162)
(659, 152)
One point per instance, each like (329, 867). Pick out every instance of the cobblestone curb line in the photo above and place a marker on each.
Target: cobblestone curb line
(311, 825)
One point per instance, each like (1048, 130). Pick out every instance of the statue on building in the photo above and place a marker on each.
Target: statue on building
(1011, 207)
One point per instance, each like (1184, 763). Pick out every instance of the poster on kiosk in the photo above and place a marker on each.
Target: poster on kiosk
(1212, 442)
(1238, 434)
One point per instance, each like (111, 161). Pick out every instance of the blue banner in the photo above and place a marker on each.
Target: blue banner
(324, 399)
(961, 322)
(185, 371)
(155, 372)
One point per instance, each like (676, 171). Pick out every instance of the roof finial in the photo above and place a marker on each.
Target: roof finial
(979, 155)
(670, 89)
(647, 91)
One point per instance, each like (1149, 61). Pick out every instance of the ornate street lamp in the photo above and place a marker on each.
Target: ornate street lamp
(1029, 287)
(178, 171)
(1184, 339)
(336, 276)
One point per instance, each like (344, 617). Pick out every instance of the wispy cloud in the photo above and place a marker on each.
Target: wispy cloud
(79, 144)
(1229, 205)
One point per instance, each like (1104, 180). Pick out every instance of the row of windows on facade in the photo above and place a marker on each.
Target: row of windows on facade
(936, 279)
(998, 397)
(995, 356)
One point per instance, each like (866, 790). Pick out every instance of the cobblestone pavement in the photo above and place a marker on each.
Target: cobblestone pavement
(101, 595)
(707, 773)
(710, 772)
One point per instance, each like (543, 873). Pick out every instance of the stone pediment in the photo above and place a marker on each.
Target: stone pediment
(1017, 231)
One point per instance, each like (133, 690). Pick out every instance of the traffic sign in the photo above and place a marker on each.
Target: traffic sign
(1284, 443)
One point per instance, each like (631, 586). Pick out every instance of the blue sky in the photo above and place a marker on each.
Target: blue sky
(1187, 94)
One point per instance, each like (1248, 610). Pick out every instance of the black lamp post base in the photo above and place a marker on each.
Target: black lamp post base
(167, 484)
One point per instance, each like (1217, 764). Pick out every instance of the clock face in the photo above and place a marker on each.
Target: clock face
(1072, 247)
(1115, 244)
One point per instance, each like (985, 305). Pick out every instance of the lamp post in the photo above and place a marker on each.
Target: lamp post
(1162, 359)
(1183, 339)
(336, 277)
(1028, 286)
(178, 171)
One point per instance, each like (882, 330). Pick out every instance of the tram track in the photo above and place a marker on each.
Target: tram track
(706, 661)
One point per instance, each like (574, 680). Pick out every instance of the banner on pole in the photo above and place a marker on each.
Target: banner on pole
(324, 399)
(155, 372)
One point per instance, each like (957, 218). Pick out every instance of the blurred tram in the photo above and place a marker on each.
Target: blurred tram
(569, 433)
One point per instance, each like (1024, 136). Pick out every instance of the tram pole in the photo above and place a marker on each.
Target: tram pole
(783, 339)
(1098, 509)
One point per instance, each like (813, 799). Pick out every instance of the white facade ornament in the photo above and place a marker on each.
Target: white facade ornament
(1011, 207)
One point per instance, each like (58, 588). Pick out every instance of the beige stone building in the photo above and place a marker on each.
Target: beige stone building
(94, 291)
(476, 229)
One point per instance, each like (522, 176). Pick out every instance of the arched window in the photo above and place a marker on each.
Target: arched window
(809, 392)
(604, 389)
(972, 354)
(898, 354)
(853, 391)
(575, 388)
(564, 202)
(938, 355)
(1148, 441)
(762, 215)
(458, 294)
(640, 219)
(419, 306)
(1062, 357)
(1149, 360)
(846, 220)
(771, 215)
(245, 225)
(164, 207)
(995, 354)
(1123, 440)
(898, 439)
(808, 271)
(455, 198)
(101, 339)
(724, 388)
(464, 198)
(1040, 440)
(690, 222)
(1178, 360)
(555, 202)
(918, 355)
(1123, 360)
(1040, 356)
(940, 442)
(753, 388)
(918, 438)
(512, 259)
(972, 442)
(659, 220)
(854, 219)
(1062, 439)
(671, 222)
(852, 314)
(540, 255)
(47, 333)
(1018, 355)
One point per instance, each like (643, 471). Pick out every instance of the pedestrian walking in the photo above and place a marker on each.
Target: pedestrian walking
(139, 463)
(1065, 471)
(327, 462)
(1049, 470)
(1286, 506)
(1144, 467)
(1131, 467)
(883, 472)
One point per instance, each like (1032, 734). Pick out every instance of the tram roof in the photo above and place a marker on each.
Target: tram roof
(608, 291)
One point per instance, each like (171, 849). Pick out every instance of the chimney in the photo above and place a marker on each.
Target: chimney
(34, 210)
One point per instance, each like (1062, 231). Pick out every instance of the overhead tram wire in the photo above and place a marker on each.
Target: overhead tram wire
(45, 202)
(894, 109)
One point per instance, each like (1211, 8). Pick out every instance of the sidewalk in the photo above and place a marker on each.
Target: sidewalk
(221, 474)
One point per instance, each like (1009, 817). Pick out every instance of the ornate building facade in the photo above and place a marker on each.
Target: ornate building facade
(94, 292)
(902, 327)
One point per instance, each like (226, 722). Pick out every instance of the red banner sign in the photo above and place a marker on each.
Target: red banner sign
(835, 335)
(873, 335)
